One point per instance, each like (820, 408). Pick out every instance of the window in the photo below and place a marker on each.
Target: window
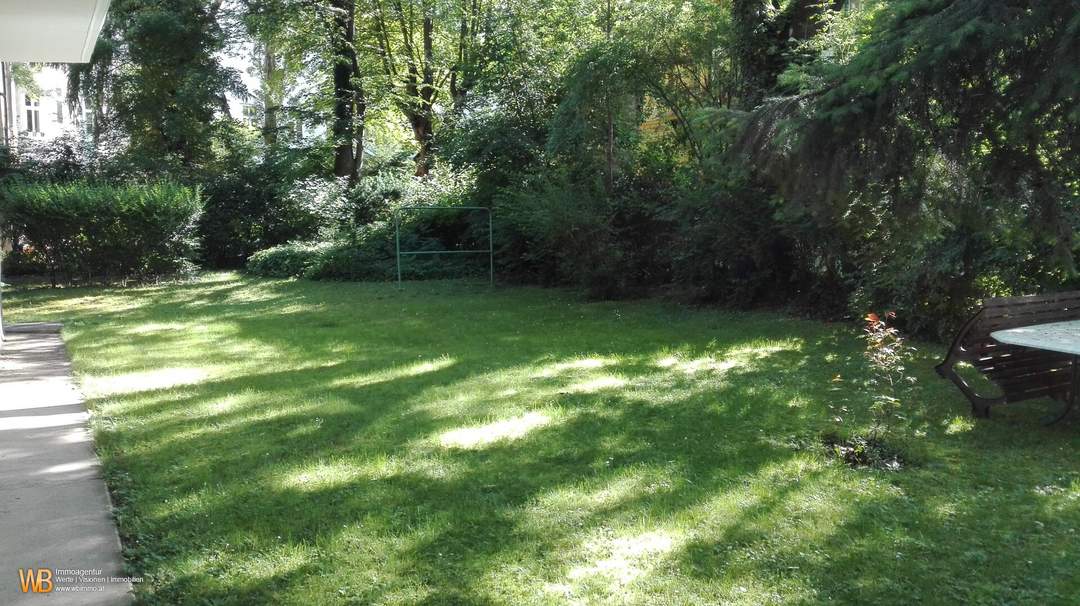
(252, 114)
(33, 115)
(59, 112)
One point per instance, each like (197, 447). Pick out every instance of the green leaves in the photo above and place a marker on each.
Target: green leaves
(97, 231)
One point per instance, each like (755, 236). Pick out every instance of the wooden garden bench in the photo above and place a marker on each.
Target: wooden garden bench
(1021, 373)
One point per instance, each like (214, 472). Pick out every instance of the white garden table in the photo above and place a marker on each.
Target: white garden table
(1061, 337)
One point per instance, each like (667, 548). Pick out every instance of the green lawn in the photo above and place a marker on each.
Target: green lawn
(278, 442)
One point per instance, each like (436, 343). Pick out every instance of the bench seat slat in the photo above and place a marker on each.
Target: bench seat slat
(1005, 369)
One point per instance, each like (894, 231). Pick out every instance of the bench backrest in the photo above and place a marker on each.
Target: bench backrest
(1021, 372)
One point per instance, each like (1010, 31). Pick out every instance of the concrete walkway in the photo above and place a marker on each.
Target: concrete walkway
(54, 509)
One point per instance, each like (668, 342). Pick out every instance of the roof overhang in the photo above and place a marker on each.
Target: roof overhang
(50, 31)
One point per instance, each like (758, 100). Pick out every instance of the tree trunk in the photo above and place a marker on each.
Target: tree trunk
(423, 123)
(422, 132)
(98, 127)
(461, 75)
(271, 98)
(345, 93)
(412, 67)
(359, 119)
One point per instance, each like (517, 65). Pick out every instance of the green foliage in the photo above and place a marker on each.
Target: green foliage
(730, 247)
(369, 258)
(865, 451)
(23, 76)
(250, 209)
(61, 160)
(500, 138)
(556, 231)
(354, 251)
(87, 231)
(156, 75)
(364, 258)
(887, 355)
(942, 150)
(25, 261)
(285, 261)
(831, 156)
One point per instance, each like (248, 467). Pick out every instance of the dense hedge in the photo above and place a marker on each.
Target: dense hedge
(321, 260)
(89, 231)
(368, 253)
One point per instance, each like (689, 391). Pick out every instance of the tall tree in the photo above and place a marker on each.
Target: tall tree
(404, 33)
(765, 34)
(272, 88)
(291, 37)
(350, 104)
(473, 31)
(158, 74)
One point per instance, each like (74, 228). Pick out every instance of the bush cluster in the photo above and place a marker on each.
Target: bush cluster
(368, 252)
(251, 204)
(87, 231)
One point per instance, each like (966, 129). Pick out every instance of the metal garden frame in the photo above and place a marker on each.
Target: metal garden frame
(490, 250)
(2, 336)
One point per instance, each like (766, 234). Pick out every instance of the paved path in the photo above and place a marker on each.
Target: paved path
(54, 510)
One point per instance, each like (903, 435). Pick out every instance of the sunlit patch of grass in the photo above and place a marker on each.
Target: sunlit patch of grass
(322, 475)
(150, 328)
(597, 384)
(484, 435)
(959, 424)
(719, 362)
(560, 368)
(146, 380)
(618, 561)
(290, 442)
(408, 370)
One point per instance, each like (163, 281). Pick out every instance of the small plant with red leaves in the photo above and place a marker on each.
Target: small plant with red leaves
(886, 354)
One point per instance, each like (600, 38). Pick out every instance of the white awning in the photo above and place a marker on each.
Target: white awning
(50, 31)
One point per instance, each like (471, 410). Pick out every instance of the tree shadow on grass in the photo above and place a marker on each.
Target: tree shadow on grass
(485, 489)
(661, 454)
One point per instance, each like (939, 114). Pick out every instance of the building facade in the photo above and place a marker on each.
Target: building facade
(38, 114)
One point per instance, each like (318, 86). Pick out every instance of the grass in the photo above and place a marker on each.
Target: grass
(283, 442)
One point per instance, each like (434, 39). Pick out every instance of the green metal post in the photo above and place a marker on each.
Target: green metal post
(2, 337)
(491, 252)
(397, 244)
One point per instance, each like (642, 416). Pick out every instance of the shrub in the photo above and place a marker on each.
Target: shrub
(729, 246)
(25, 261)
(255, 206)
(85, 230)
(345, 261)
(557, 230)
(324, 261)
(553, 232)
(368, 252)
(285, 261)
(886, 356)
